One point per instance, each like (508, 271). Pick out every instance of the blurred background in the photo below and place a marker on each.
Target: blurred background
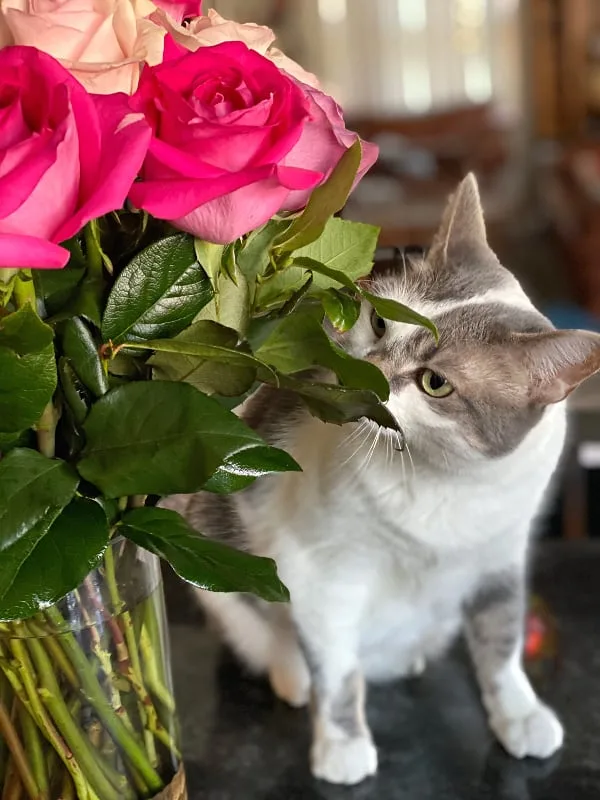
(507, 88)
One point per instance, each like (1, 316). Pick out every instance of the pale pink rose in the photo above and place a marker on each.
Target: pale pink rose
(215, 29)
(180, 9)
(103, 43)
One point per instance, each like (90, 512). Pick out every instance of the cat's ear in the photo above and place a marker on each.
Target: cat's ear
(462, 222)
(558, 361)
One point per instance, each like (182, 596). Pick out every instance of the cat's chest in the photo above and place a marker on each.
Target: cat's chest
(413, 613)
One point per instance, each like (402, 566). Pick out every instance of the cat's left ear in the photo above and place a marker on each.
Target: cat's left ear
(558, 361)
(462, 222)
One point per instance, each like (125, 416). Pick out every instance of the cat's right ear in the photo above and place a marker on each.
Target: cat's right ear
(558, 362)
(462, 223)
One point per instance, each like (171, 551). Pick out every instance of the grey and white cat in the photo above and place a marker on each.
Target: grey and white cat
(389, 555)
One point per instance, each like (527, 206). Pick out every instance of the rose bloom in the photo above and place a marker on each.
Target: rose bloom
(215, 29)
(104, 43)
(235, 140)
(65, 157)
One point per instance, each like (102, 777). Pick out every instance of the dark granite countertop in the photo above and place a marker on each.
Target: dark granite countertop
(240, 743)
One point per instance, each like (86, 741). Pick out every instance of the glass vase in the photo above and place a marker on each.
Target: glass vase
(86, 698)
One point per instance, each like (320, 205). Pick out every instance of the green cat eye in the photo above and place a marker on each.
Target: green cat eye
(433, 384)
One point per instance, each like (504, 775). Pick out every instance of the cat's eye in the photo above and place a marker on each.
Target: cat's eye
(434, 384)
(378, 324)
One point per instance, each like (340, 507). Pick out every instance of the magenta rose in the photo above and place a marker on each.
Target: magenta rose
(66, 157)
(235, 140)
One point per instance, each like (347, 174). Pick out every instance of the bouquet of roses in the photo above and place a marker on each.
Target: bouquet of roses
(167, 242)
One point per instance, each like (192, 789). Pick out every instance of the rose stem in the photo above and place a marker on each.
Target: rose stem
(19, 760)
(27, 694)
(51, 696)
(92, 250)
(125, 739)
(6, 694)
(12, 784)
(152, 673)
(24, 291)
(132, 667)
(55, 652)
(35, 752)
(45, 431)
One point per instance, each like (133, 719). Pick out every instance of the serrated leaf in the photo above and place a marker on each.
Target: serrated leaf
(231, 304)
(160, 438)
(253, 258)
(385, 306)
(27, 369)
(82, 351)
(299, 343)
(339, 404)
(345, 246)
(158, 293)
(206, 355)
(51, 559)
(392, 309)
(210, 256)
(341, 309)
(324, 201)
(205, 563)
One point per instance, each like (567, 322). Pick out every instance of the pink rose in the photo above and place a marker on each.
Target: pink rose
(215, 29)
(104, 43)
(235, 140)
(65, 157)
(180, 9)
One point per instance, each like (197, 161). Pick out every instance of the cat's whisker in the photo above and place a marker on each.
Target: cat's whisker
(364, 440)
(412, 463)
(372, 449)
(355, 433)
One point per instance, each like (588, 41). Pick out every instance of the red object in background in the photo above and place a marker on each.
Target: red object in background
(534, 636)
(541, 637)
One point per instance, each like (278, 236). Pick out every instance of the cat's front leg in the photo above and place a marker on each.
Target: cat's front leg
(342, 748)
(494, 628)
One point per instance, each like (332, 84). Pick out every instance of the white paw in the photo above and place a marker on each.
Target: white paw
(346, 761)
(538, 734)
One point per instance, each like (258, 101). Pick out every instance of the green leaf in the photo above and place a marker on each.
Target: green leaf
(391, 309)
(206, 355)
(158, 293)
(33, 492)
(51, 559)
(253, 258)
(339, 404)
(75, 393)
(27, 369)
(80, 348)
(341, 309)
(160, 438)
(205, 563)
(325, 200)
(210, 256)
(299, 343)
(230, 305)
(57, 286)
(242, 468)
(385, 306)
(345, 246)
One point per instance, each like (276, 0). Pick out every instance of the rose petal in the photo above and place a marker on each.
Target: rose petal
(176, 198)
(226, 218)
(17, 250)
(125, 140)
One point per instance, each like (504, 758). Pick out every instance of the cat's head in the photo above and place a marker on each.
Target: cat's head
(499, 362)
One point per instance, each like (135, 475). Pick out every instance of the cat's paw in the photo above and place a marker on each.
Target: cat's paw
(538, 734)
(292, 688)
(344, 761)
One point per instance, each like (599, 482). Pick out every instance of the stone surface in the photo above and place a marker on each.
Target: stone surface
(242, 744)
